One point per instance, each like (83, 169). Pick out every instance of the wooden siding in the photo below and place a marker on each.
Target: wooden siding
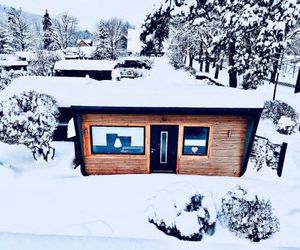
(225, 149)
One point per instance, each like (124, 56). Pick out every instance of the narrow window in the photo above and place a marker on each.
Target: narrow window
(163, 147)
(195, 140)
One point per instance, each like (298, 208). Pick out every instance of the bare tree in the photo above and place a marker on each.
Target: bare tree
(116, 28)
(65, 27)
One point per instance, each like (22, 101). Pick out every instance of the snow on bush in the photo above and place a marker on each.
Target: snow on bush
(265, 153)
(43, 63)
(248, 216)
(29, 118)
(6, 77)
(281, 111)
(184, 213)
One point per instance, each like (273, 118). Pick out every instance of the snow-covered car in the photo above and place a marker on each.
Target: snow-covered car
(133, 67)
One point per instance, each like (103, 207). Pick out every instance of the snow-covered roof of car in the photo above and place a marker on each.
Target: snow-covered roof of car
(85, 65)
(73, 91)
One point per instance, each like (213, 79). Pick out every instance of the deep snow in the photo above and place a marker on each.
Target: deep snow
(50, 206)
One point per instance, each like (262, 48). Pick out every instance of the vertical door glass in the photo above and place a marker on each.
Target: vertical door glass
(163, 147)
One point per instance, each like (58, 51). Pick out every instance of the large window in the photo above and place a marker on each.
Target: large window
(118, 140)
(195, 140)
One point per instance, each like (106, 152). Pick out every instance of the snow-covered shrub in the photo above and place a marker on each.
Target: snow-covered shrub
(265, 153)
(29, 118)
(286, 125)
(248, 216)
(252, 81)
(6, 77)
(183, 213)
(281, 111)
(43, 63)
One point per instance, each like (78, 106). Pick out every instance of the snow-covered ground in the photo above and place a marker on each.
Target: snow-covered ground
(51, 206)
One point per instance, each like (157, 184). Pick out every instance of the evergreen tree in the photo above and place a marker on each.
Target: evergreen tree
(48, 35)
(103, 48)
(5, 40)
(19, 30)
(156, 30)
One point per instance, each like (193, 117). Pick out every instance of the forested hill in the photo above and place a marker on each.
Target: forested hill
(32, 19)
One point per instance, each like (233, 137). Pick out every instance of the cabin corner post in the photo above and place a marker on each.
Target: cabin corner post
(251, 132)
(79, 140)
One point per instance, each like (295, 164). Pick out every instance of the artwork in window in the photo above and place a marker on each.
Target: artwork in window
(117, 140)
(195, 140)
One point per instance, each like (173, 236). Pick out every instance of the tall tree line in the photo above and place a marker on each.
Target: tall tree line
(251, 34)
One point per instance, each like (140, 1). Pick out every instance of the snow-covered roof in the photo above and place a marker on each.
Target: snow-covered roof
(87, 41)
(25, 54)
(85, 65)
(137, 93)
(9, 63)
(133, 40)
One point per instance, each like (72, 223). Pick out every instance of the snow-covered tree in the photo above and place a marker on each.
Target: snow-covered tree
(49, 36)
(65, 27)
(20, 31)
(5, 40)
(29, 118)
(116, 28)
(155, 29)
(102, 42)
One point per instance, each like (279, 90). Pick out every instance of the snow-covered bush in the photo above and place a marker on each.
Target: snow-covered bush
(6, 77)
(252, 80)
(265, 153)
(286, 125)
(283, 116)
(248, 216)
(43, 63)
(183, 213)
(29, 118)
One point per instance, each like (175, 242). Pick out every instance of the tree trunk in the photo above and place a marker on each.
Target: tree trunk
(201, 65)
(191, 58)
(207, 63)
(275, 65)
(232, 72)
(221, 64)
(217, 71)
(297, 88)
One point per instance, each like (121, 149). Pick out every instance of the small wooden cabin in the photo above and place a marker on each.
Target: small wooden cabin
(140, 140)
(95, 69)
(143, 127)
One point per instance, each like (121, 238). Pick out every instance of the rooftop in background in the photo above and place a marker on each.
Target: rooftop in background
(85, 65)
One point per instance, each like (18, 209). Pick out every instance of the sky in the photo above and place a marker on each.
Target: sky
(89, 12)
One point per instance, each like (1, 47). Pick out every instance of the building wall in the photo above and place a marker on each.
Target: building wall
(225, 149)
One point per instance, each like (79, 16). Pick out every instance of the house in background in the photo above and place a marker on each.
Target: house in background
(95, 69)
(140, 128)
(84, 43)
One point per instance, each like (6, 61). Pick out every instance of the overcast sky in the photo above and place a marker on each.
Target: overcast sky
(90, 11)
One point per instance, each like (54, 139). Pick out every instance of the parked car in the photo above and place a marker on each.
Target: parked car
(133, 67)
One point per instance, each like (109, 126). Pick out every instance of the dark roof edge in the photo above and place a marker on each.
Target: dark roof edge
(165, 110)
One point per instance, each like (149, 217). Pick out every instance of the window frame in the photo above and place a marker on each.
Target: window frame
(207, 141)
(117, 126)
